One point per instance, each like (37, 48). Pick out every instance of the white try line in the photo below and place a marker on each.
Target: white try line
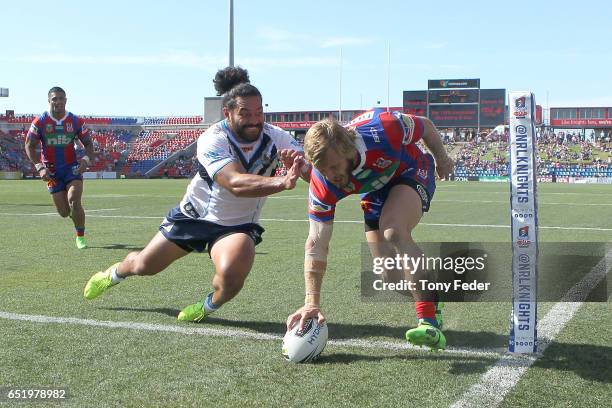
(429, 224)
(500, 379)
(239, 334)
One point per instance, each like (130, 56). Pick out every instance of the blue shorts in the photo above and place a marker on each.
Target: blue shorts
(197, 235)
(62, 176)
(423, 181)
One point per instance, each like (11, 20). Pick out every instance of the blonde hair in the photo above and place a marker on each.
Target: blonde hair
(328, 134)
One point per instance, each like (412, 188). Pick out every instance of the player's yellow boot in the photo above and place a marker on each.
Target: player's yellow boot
(81, 243)
(98, 283)
(426, 334)
(193, 313)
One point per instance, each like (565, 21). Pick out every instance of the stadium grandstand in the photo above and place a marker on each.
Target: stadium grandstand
(576, 144)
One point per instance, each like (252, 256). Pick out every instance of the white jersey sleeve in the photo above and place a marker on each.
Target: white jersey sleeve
(214, 151)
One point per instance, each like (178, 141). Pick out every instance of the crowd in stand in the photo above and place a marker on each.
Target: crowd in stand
(558, 152)
(476, 154)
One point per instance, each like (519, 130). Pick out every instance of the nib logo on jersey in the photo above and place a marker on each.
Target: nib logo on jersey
(523, 237)
(520, 107)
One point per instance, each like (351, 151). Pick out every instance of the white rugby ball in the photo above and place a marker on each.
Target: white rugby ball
(303, 346)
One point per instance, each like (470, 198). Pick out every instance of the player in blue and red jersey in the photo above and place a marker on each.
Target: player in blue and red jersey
(57, 131)
(375, 156)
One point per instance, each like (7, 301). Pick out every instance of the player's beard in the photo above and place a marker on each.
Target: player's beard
(248, 133)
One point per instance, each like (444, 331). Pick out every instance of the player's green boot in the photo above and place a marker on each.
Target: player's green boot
(81, 243)
(193, 313)
(439, 306)
(428, 335)
(98, 283)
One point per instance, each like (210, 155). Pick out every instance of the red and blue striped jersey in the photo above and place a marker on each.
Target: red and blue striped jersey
(386, 145)
(57, 138)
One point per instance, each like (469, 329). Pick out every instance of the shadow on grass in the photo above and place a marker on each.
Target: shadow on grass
(341, 331)
(118, 246)
(51, 206)
(460, 364)
(588, 361)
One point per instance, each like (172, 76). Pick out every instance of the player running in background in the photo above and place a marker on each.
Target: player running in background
(375, 156)
(220, 211)
(56, 131)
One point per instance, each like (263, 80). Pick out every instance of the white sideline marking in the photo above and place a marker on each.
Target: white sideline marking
(500, 379)
(147, 217)
(208, 331)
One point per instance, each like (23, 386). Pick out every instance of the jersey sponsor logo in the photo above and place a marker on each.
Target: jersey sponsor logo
(422, 173)
(58, 140)
(69, 127)
(49, 128)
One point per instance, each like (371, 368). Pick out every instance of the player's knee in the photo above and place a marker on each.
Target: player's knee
(142, 267)
(232, 284)
(63, 212)
(74, 205)
(395, 235)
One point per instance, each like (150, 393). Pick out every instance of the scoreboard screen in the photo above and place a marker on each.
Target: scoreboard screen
(454, 115)
(453, 96)
(492, 107)
(415, 102)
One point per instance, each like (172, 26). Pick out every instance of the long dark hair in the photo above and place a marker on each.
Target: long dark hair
(233, 82)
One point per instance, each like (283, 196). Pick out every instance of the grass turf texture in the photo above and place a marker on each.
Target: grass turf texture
(43, 273)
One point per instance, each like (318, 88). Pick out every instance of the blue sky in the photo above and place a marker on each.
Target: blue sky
(149, 58)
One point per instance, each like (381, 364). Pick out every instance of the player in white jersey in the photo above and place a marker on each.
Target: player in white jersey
(221, 208)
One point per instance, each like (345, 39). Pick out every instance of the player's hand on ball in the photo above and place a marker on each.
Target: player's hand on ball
(303, 314)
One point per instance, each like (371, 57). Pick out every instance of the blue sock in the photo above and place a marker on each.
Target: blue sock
(429, 320)
(209, 306)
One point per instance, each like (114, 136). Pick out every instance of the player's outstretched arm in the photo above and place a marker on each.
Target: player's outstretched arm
(315, 265)
(242, 184)
(433, 141)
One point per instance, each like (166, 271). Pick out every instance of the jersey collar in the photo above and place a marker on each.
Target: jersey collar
(59, 122)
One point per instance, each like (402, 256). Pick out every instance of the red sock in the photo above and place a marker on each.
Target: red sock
(425, 310)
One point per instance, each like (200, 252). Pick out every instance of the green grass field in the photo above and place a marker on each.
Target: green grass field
(150, 359)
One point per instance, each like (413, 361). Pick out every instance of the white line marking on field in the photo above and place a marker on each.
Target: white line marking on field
(147, 217)
(231, 333)
(500, 379)
(102, 209)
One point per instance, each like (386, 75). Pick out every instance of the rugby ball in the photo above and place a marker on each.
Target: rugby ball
(303, 346)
